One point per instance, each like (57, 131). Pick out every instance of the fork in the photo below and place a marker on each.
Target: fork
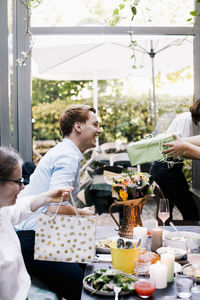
(117, 290)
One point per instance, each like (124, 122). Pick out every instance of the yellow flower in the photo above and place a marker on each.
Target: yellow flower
(123, 195)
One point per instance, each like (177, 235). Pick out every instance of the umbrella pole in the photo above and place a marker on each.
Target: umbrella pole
(95, 105)
(95, 95)
(152, 54)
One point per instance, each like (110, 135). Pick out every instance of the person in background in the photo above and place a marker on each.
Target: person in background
(14, 279)
(60, 167)
(169, 175)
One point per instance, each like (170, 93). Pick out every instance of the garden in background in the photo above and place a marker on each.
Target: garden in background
(123, 115)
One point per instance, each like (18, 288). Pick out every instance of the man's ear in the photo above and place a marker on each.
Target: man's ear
(77, 127)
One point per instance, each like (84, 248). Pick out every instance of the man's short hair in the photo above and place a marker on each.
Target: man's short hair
(72, 114)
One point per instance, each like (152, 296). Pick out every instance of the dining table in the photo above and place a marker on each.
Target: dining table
(167, 293)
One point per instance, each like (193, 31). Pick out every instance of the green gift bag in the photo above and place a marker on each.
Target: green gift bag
(149, 149)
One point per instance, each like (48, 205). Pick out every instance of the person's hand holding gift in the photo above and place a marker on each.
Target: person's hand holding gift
(176, 148)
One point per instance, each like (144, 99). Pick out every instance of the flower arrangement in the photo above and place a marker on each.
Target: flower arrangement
(132, 186)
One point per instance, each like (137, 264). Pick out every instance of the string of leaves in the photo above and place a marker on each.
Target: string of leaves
(29, 6)
(132, 5)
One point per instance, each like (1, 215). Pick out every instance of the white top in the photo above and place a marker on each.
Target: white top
(182, 124)
(59, 167)
(14, 279)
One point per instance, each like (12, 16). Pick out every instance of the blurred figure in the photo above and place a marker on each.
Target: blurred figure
(169, 175)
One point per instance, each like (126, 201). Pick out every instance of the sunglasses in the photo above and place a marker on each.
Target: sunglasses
(18, 181)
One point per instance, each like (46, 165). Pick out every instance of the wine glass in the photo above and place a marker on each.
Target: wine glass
(163, 211)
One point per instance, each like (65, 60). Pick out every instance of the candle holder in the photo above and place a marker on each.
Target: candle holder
(132, 210)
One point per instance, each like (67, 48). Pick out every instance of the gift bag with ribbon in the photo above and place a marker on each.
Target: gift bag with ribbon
(65, 238)
(149, 149)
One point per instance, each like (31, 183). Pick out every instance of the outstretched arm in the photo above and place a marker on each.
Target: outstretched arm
(52, 196)
(187, 147)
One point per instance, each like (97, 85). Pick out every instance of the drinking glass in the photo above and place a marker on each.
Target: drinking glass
(193, 257)
(144, 288)
(163, 212)
(183, 286)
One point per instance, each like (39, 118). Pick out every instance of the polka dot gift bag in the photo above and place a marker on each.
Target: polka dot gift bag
(65, 238)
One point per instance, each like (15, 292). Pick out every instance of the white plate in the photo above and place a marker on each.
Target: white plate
(101, 244)
(179, 253)
(191, 269)
(104, 293)
(178, 239)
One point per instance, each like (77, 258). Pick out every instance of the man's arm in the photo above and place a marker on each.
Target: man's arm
(69, 210)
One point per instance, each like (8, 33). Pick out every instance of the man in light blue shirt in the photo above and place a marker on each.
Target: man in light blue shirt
(60, 167)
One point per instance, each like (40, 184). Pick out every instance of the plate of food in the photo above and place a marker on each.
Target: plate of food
(103, 245)
(178, 252)
(191, 271)
(102, 282)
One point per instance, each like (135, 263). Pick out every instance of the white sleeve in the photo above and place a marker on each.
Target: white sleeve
(181, 124)
(18, 212)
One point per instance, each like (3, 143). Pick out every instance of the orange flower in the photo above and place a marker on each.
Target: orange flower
(123, 195)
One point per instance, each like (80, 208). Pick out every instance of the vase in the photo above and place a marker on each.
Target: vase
(132, 210)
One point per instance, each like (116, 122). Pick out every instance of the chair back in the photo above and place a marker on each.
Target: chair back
(119, 157)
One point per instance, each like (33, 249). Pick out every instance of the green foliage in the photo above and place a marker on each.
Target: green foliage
(187, 170)
(50, 90)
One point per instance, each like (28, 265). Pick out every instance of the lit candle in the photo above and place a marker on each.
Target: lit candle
(156, 238)
(140, 233)
(158, 274)
(167, 259)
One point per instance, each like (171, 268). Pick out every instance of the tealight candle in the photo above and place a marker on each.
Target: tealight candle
(156, 239)
(168, 260)
(140, 233)
(158, 274)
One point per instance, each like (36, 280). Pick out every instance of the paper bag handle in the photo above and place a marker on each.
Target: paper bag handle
(74, 204)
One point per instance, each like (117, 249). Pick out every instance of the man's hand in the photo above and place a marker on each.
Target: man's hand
(86, 211)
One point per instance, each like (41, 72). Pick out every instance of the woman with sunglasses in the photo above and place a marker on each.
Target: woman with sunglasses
(14, 279)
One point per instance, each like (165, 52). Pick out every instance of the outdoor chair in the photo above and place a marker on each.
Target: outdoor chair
(107, 148)
(121, 159)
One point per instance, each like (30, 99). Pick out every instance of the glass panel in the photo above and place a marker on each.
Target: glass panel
(99, 12)
(68, 67)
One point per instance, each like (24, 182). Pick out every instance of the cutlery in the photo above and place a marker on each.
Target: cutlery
(172, 225)
(117, 290)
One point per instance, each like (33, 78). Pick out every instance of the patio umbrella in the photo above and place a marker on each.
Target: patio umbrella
(90, 61)
(104, 58)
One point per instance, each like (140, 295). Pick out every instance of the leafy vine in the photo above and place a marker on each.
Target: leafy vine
(29, 6)
(117, 16)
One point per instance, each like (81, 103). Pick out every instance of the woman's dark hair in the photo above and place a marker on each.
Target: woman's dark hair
(195, 111)
(9, 159)
(74, 113)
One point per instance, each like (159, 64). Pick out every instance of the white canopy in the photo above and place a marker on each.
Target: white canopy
(77, 58)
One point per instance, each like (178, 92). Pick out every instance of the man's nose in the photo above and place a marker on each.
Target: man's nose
(100, 130)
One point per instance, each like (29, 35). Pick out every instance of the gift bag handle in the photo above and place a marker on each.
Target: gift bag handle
(74, 204)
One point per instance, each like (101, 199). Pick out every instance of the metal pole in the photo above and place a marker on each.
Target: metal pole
(95, 94)
(152, 55)
(95, 105)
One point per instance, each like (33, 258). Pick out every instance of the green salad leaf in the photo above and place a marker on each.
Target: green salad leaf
(104, 280)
